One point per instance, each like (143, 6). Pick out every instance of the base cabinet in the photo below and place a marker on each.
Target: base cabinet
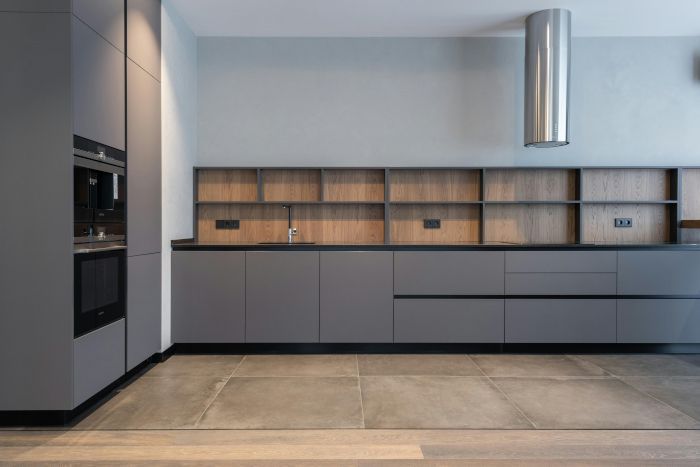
(448, 320)
(208, 296)
(658, 321)
(356, 296)
(98, 361)
(560, 321)
(143, 304)
(282, 296)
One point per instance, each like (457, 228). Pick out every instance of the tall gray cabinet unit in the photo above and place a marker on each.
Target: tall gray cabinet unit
(143, 136)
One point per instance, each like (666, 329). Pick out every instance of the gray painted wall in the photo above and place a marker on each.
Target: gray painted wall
(429, 102)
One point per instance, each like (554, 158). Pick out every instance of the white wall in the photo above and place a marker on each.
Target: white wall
(431, 102)
(179, 132)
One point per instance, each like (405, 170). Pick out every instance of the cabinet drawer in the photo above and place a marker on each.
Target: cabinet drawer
(560, 321)
(554, 283)
(448, 273)
(561, 261)
(98, 361)
(448, 320)
(659, 273)
(651, 321)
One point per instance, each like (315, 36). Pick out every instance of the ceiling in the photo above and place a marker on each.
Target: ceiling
(432, 18)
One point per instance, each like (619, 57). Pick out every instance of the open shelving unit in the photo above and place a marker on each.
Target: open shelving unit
(473, 205)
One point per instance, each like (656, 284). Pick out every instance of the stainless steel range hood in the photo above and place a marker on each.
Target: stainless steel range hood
(547, 63)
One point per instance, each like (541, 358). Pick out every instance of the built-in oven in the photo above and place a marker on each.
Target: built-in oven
(99, 293)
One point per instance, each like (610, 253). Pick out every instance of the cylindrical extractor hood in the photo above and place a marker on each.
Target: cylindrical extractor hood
(547, 63)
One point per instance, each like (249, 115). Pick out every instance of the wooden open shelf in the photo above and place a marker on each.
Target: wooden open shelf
(514, 205)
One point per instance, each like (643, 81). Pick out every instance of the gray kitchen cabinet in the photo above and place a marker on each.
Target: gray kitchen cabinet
(98, 87)
(357, 300)
(282, 296)
(658, 273)
(36, 6)
(106, 17)
(553, 283)
(449, 273)
(448, 320)
(540, 261)
(143, 30)
(658, 321)
(208, 296)
(143, 162)
(143, 308)
(560, 321)
(98, 360)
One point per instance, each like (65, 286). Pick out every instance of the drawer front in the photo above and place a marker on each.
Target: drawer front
(561, 261)
(98, 361)
(651, 321)
(659, 273)
(449, 273)
(560, 321)
(448, 320)
(561, 283)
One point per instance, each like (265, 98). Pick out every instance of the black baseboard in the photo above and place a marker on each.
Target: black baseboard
(58, 418)
(317, 348)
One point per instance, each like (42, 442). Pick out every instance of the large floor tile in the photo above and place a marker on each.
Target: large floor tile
(415, 365)
(219, 366)
(436, 402)
(156, 402)
(600, 403)
(286, 403)
(643, 365)
(535, 365)
(298, 365)
(679, 392)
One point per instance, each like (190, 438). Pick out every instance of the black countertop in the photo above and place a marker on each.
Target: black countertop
(191, 245)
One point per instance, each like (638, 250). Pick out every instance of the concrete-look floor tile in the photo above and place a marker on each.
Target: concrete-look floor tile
(156, 402)
(417, 365)
(683, 393)
(690, 358)
(436, 402)
(286, 403)
(535, 365)
(643, 365)
(219, 366)
(298, 365)
(600, 403)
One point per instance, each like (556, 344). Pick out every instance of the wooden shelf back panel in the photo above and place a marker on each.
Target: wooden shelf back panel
(650, 223)
(458, 223)
(626, 184)
(434, 185)
(315, 223)
(530, 185)
(227, 185)
(353, 185)
(535, 224)
(691, 193)
(291, 185)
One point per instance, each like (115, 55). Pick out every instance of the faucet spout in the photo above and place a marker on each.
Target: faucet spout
(291, 231)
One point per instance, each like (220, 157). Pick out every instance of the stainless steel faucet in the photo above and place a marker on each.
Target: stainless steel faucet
(291, 231)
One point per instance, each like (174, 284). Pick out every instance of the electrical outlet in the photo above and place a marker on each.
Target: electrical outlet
(623, 222)
(431, 223)
(228, 224)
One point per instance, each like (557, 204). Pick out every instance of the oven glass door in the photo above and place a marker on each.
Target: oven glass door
(99, 290)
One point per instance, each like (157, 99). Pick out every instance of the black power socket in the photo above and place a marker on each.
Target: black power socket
(431, 223)
(228, 224)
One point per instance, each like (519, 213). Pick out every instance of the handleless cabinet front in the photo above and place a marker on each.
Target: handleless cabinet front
(104, 16)
(357, 300)
(659, 273)
(143, 31)
(282, 296)
(143, 304)
(208, 296)
(98, 87)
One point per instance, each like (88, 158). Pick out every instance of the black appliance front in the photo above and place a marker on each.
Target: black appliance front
(99, 200)
(99, 296)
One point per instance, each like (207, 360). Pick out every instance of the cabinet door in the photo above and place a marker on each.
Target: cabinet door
(98, 87)
(357, 299)
(282, 296)
(104, 16)
(143, 308)
(143, 34)
(143, 162)
(658, 321)
(659, 273)
(98, 361)
(208, 296)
